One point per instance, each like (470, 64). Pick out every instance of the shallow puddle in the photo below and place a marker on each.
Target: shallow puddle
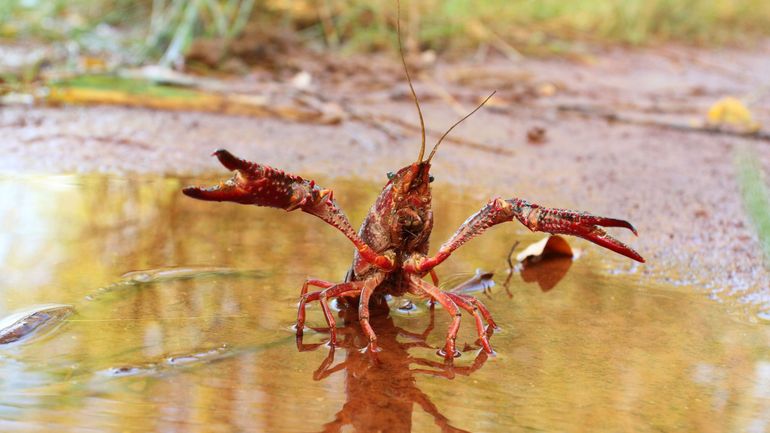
(183, 314)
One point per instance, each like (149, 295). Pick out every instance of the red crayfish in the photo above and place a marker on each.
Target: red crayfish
(391, 256)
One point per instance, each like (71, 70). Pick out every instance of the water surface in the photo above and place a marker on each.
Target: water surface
(184, 312)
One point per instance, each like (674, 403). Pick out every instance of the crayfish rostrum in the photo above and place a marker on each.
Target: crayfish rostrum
(391, 254)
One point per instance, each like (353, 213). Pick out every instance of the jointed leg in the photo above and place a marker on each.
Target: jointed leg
(464, 303)
(434, 277)
(484, 312)
(421, 287)
(342, 289)
(303, 300)
(363, 309)
(315, 283)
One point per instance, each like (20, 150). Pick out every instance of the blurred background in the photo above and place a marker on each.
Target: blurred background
(169, 31)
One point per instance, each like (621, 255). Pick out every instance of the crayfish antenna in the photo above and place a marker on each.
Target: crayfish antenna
(409, 80)
(433, 152)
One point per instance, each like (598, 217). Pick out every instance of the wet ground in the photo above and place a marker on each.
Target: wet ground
(183, 314)
(183, 310)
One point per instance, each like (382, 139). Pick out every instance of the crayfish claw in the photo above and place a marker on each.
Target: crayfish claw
(601, 238)
(614, 222)
(581, 224)
(225, 191)
(230, 161)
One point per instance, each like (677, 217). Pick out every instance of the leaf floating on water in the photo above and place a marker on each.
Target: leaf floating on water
(553, 245)
(546, 261)
(482, 281)
(32, 321)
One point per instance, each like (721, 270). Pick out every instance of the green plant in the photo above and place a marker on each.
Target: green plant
(756, 196)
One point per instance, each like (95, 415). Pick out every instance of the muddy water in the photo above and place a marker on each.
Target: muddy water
(183, 313)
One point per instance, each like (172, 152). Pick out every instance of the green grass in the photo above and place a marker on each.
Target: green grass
(756, 196)
(452, 24)
(164, 28)
(126, 85)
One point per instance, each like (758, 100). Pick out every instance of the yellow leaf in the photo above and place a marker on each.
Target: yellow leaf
(731, 112)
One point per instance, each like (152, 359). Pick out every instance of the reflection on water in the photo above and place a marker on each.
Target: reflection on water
(199, 346)
(381, 390)
(547, 272)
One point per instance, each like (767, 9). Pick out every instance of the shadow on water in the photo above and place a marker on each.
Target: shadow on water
(183, 311)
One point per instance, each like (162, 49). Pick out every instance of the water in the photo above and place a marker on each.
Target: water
(184, 312)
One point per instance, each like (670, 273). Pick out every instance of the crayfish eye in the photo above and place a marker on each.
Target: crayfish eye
(391, 175)
(431, 178)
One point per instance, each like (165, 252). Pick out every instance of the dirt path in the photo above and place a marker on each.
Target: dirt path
(679, 188)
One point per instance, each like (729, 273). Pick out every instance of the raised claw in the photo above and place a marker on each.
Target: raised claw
(262, 185)
(581, 224)
(258, 184)
(535, 218)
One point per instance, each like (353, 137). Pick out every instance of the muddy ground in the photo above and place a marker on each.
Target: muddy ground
(678, 187)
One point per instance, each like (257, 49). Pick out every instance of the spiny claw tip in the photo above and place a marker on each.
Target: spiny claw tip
(614, 222)
(191, 191)
(230, 161)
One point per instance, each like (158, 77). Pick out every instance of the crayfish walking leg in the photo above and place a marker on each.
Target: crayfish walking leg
(420, 287)
(322, 296)
(467, 305)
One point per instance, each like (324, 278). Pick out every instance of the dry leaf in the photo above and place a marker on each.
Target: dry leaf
(552, 245)
(546, 261)
(482, 281)
(732, 113)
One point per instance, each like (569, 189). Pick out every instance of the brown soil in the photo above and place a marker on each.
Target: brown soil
(679, 188)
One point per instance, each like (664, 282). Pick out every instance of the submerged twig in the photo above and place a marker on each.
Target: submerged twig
(509, 259)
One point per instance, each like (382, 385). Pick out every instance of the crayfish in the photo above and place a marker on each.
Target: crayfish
(391, 247)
